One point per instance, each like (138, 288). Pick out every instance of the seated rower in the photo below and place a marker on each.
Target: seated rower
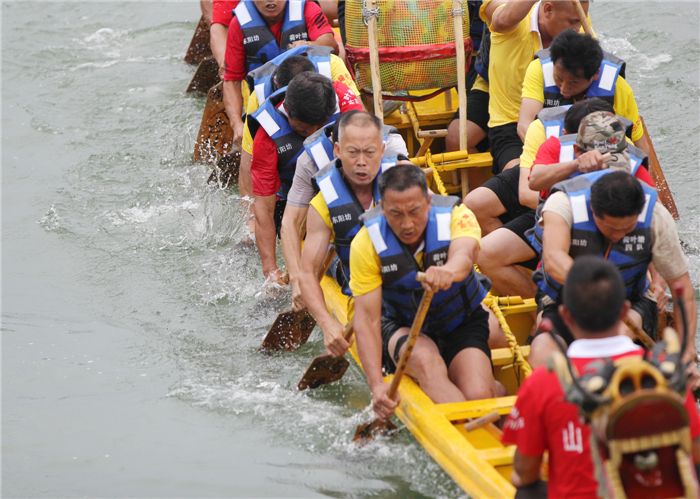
(593, 308)
(505, 267)
(260, 31)
(574, 68)
(348, 188)
(318, 151)
(613, 215)
(409, 232)
(277, 73)
(222, 15)
(279, 128)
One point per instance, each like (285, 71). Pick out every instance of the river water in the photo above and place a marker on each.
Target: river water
(130, 319)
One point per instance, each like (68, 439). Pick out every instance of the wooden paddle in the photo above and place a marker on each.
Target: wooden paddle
(325, 369)
(366, 432)
(205, 77)
(199, 46)
(658, 177)
(292, 329)
(584, 19)
(215, 137)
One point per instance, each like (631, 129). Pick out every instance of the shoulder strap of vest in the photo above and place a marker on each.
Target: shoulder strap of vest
(323, 171)
(567, 139)
(312, 138)
(616, 60)
(445, 201)
(262, 118)
(369, 215)
(553, 113)
(389, 129)
(638, 153)
(542, 54)
(318, 50)
(242, 13)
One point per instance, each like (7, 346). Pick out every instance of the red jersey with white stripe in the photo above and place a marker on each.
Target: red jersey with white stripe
(543, 421)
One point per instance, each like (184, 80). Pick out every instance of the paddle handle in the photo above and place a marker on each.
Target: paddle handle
(374, 60)
(461, 73)
(327, 262)
(584, 20)
(348, 331)
(640, 333)
(491, 417)
(411, 342)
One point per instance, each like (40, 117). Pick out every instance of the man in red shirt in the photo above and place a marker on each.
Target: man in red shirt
(222, 14)
(594, 306)
(268, 29)
(279, 128)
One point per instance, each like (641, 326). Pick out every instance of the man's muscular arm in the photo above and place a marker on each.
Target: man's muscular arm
(325, 40)
(555, 247)
(367, 325)
(507, 18)
(526, 470)
(318, 236)
(233, 102)
(217, 40)
(291, 248)
(265, 236)
(460, 259)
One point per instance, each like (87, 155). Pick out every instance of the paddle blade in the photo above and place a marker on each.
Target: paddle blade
(215, 135)
(323, 370)
(367, 431)
(199, 46)
(206, 76)
(290, 331)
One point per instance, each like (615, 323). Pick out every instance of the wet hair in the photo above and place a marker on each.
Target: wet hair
(310, 99)
(577, 53)
(594, 293)
(402, 177)
(583, 108)
(357, 118)
(617, 194)
(291, 67)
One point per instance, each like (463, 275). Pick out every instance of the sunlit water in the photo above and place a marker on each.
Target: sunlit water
(130, 317)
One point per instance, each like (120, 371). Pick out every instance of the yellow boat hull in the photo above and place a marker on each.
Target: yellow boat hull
(476, 460)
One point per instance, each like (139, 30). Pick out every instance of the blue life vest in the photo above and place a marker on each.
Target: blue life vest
(632, 254)
(289, 143)
(604, 87)
(481, 62)
(553, 120)
(476, 25)
(261, 81)
(344, 207)
(320, 147)
(401, 292)
(259, 42)
(566, 154)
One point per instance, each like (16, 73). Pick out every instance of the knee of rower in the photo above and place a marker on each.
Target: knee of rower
(427, 364)
(479, 201)
(452, 139)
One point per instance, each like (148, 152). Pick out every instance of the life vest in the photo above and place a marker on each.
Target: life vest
(566, 154)
(319, 145)
(481, 62)
(476, 25)
(553, 120)
(259, 42)
(344, 207)
(261, 82)
(632, 254)
(289, 143)
(401, 292)
(604, 87)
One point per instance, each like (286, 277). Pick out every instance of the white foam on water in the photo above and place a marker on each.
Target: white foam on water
(637, 61)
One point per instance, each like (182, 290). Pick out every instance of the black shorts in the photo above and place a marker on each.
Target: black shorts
(280, 205)
(505, 187)
(519, 226)
(478, 112)
(472, 333)
(645, 306)
(505, 145)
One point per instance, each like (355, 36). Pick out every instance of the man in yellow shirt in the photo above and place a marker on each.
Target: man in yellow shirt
(574, 68)
(278, 76)
(348, 188)
(518, 31)
(409, 232)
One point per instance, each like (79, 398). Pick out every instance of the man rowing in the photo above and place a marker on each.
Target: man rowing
(509, 248)
(348, 188)
(318, 151)
(279, 128)
(593, 309)
(277, 73)
(222, 15)
(260, 31)
(613, 215)
(412, 231)
(574, 68)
